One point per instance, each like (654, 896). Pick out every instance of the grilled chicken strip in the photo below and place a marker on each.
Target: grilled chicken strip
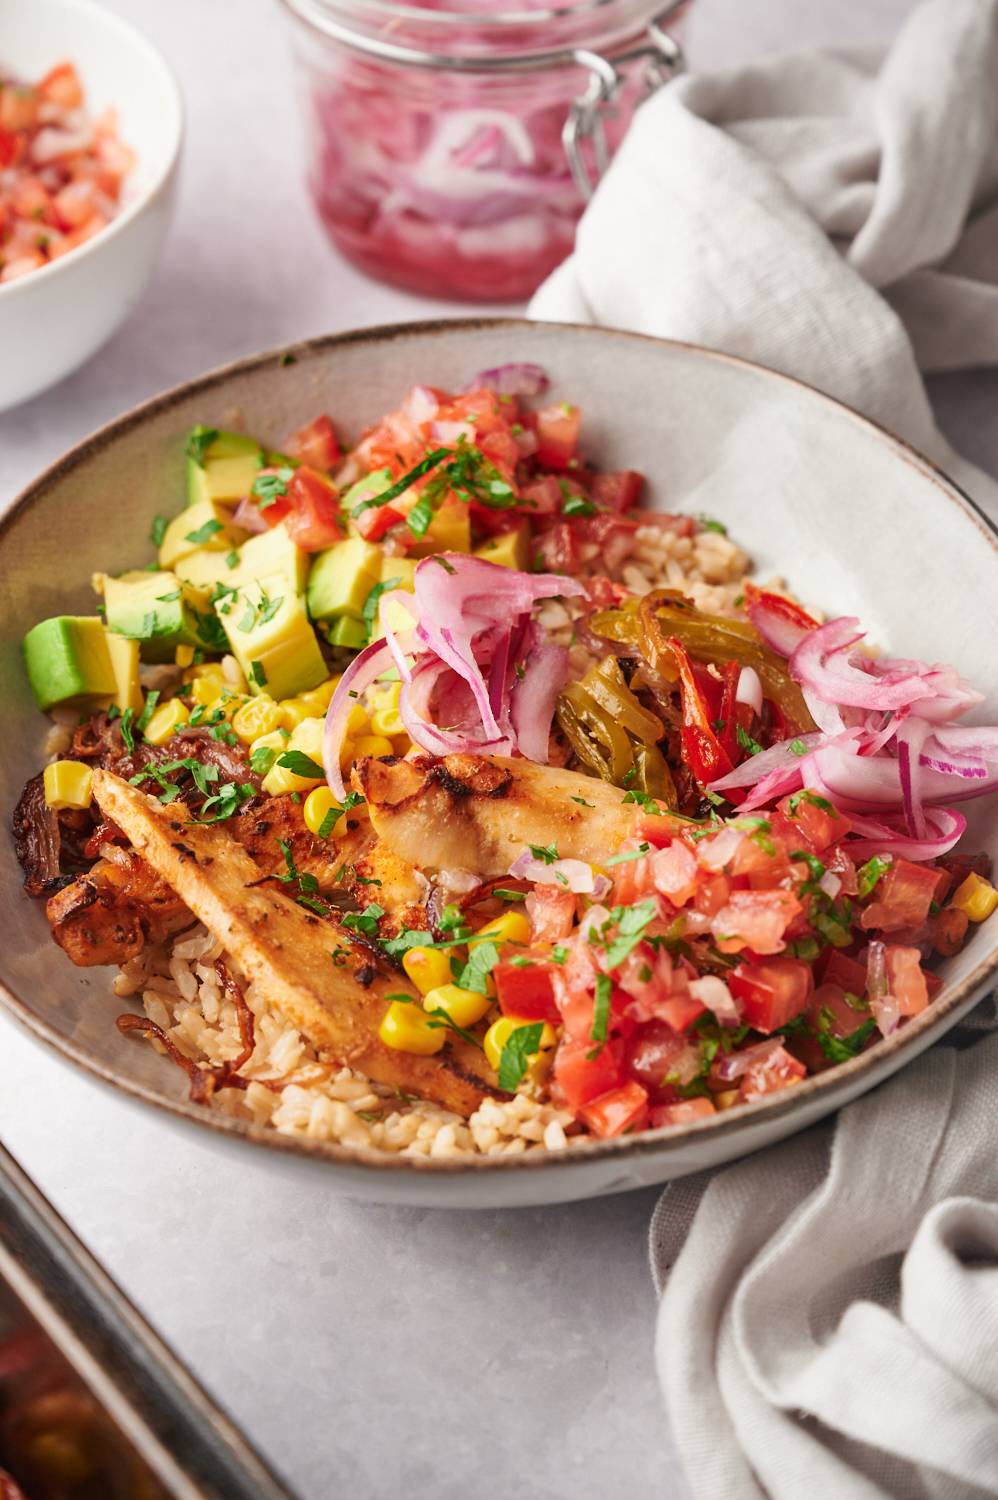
(108, 915)
(478, 812)
(288, 950)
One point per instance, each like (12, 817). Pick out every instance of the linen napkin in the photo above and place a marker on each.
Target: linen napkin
(833, 215)
(829, 1316)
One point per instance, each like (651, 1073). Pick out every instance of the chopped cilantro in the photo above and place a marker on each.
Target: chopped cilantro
(620, 859)
(300, 764)
(559, 953)
(798, 747)
(269, 488)
(815, 801)
(601, 1008)
(575, 505)
(709, 524)
(813, 863)
(257, 673)
(290, 359)
(583, 803)
(232, 558)
(204, 533)
(746, 741)
(157, 530)
(127, 729)
(198, 444)
(839, 1049)
(632, 923)
(868, 875)
(506, 895)
(152, 698)
(481, 961)
(547, 853)
(370, 608)
(365, 921)
(384, 497)
(522, 1042)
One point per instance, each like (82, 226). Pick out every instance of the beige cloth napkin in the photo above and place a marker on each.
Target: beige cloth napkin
(831, 215)
(829, 1321)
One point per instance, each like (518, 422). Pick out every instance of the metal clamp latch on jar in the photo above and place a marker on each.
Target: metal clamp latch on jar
(664, 58)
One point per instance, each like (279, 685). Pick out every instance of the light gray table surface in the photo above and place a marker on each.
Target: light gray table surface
(366, 1350)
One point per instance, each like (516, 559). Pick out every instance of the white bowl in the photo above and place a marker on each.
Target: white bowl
(54, 318)
(858, 521)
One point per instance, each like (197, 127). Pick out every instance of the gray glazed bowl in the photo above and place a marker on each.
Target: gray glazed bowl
(860, 523)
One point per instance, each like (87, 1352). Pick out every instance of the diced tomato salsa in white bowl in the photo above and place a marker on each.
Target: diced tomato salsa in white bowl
(696, 864)
(90, 132)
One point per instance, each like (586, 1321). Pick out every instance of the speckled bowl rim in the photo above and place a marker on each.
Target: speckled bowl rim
(622, 1148)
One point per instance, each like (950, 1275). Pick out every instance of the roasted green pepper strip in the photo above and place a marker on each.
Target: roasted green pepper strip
(707, 638)
(613, 735)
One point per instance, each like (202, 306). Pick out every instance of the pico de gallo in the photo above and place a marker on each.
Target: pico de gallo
(738, 858)
(61, 173)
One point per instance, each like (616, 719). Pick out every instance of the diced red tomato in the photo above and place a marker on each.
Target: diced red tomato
(313, 520)
(10, 147)
(838, 968)
(557, 549)
(819, 825)
(61, 85)
(771, 993)
(652, 1054)
(580, 1076)
(316, 444)
(374, 522)
(682, 1112)
(674, 872)
(902, 898)
(558, 435)
(680, 1010)
(542, 496)
(829, 1009)
(526, 991)
(551, 910)
(767, 1075)
(905, 979)
(756, 920)
(625, 1108)
(619, 491)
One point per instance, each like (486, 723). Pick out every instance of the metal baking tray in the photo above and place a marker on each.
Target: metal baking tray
(93, 1405)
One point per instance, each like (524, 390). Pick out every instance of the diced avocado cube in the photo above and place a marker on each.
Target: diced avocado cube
(68, 662)
(402, 568)
(342, 577)
(205, 525)
(150, 608)
(124, 656)
(202, 571)
(221, 465)
(511, 549)
(273, 551)
(272, 640)
(367, 488)
(396, 615)
(449, 531)
(348, 632)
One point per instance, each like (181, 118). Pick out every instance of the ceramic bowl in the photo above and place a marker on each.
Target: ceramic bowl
(53, 319)
(859, 522)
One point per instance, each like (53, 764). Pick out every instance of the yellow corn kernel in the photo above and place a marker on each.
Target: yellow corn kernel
(314, 703)
(205, 669)
(384, 695)
(372, 744)
(427, 968)
(401, 744)
(307, 736)
(294, 710)
(324, 692)
(67, 783)
(184, 656)
(387, 721)
(407, 1029)
(356, 720)
(229, 703)
(166, 720)
(347, 756)
(511, 927)
(207, 690)
(976, 896)
(318, 804)
(464, 1007)
(726, 1099)
(538, 1067)
(257, 716)
(500, 1032)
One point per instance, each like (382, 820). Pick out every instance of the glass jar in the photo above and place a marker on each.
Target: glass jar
(452, 152)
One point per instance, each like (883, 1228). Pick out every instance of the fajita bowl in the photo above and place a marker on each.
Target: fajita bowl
(855, 520)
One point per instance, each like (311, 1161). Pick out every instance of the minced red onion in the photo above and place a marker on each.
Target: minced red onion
(712, 992)
(749, 689)
(733, 1064)
(512, 380)
(571, 874)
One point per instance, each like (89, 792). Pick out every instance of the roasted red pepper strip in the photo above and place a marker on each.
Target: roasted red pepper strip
(728, 716)
(791, 612)
(702, 750)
